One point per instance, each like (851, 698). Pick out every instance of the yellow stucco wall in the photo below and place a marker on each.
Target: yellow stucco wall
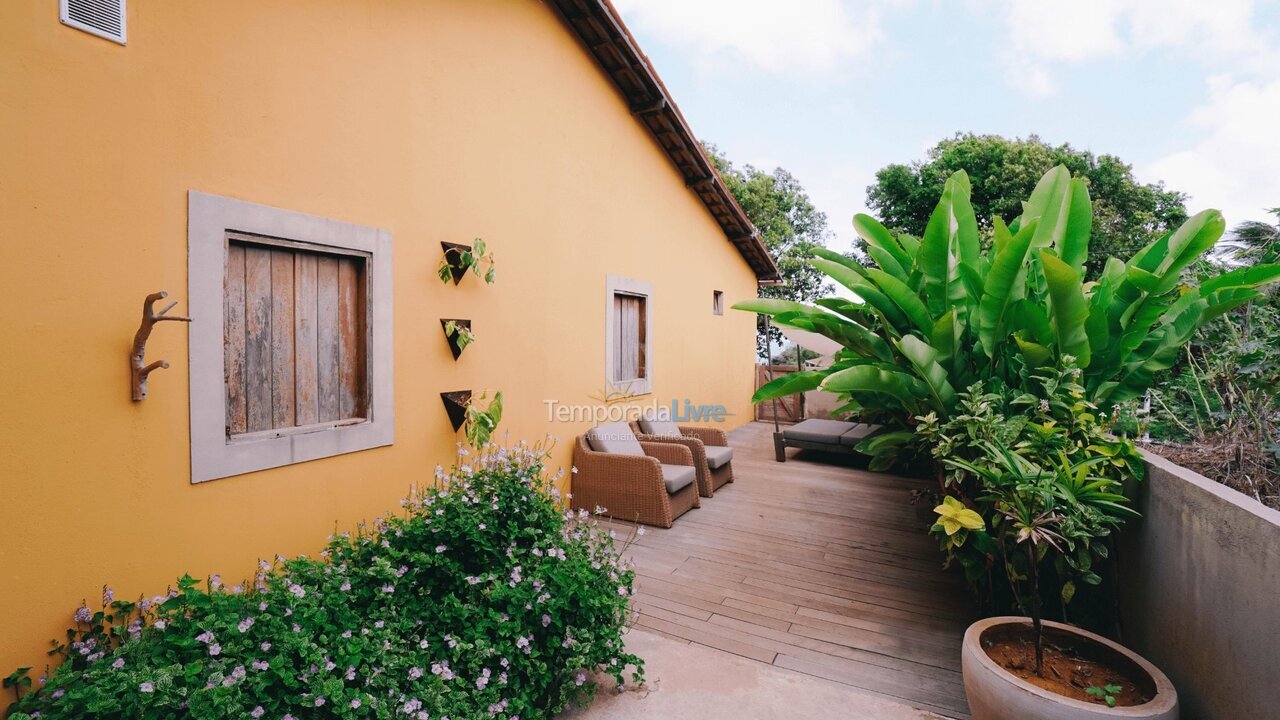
(438, 120)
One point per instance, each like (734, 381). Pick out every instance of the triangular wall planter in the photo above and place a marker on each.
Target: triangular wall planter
(453, 339)
(455, 403)
(452, 251)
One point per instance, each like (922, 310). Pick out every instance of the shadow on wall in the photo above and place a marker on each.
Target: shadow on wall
(1199, 575)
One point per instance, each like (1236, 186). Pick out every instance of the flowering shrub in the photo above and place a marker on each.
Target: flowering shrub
(483, 599)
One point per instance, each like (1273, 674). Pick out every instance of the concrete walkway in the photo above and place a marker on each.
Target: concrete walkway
(686, 680)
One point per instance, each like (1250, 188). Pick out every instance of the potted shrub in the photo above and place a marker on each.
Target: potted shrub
(1028, 667)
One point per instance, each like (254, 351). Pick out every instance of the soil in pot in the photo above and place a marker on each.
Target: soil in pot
(1072, 664)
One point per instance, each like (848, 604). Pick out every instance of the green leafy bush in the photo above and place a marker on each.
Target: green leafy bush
(481, 599)
(1043, 454)
(939, 313)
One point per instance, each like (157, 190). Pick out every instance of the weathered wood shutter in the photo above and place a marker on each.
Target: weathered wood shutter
(629, 337)
(295, 338)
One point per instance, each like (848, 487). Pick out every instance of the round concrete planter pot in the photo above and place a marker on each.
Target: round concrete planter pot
(996, 694)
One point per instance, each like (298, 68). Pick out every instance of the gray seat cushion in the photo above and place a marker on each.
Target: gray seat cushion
(677, 477)
(815, 430)
(717, 456)
(857, 434)
(660, 427)
(615, 438)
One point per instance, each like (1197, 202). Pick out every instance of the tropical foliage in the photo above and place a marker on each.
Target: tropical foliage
(482, 599)
(939, 313)
(1217, 411)
(1072, 478)
(1127, 214)
(473, 259)
(480, 422)
(461, 335)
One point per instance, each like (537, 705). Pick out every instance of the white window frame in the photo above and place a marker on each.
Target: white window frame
(64, 16)
(213, 454)
(615, 285)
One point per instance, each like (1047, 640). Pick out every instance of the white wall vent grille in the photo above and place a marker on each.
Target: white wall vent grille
(104, 18)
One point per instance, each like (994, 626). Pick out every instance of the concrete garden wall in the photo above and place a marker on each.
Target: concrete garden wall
(1200, 592)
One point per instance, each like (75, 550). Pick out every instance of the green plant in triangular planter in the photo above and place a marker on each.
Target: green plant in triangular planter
(458, 259)
(459, 335)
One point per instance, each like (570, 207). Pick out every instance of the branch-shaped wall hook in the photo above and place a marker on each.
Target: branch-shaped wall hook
(150, 317)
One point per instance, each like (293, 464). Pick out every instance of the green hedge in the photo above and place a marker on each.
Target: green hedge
(480, 599)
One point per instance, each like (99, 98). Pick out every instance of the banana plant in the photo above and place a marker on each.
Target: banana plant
(932, 315)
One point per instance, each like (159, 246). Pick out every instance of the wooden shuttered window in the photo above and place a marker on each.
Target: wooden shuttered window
(629, 337)
(296, 337)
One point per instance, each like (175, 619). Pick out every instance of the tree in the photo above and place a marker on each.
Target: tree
(1126, 214)
(777, 204)
(788, 355)
(1254, 241)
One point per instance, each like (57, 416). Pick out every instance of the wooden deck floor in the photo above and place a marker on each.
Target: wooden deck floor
(810, 566)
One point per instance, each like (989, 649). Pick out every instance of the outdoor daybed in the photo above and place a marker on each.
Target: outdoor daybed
(827, 435)
(647, 482)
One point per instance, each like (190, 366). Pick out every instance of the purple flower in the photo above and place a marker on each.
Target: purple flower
(245, 624)
(119, 663)
(415, 673)
(345, 586)
(355, 703)
(319, 700)
(205, 637)
(257, 712)
(215, 649)
(147, 687)
(260, 665)
(265, 646)
(83, 615)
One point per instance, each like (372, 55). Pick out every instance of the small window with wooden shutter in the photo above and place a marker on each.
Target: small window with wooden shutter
(290, 350)
(629, 345)
(628, 355)
(296, 337)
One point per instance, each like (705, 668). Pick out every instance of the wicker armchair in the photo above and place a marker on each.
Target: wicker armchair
(632, 486)
(712, 456)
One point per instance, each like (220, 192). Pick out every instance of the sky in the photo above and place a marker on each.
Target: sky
(1187, 91)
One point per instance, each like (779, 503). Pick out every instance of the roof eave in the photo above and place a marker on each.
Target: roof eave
(599, 27)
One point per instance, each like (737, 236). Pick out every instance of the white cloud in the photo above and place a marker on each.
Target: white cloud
(814, 36)
(1233, 167)
(1032, 79)
(1070, 30)
(1214, 33)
